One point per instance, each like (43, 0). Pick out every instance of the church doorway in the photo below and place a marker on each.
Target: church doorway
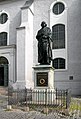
(3, 71)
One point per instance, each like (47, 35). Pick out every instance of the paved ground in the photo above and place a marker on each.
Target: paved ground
(18, 114)
(26, 115)
(3, 102)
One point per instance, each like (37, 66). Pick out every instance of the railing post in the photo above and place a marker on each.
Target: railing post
(51, 93)
(27, 108)
(38, 97)
(31, 95)
(26, 98)
(46, 98)
(69, 97)
(61, 99)
(17, 96)
(8, 95)
(56, 96)
(66, 98)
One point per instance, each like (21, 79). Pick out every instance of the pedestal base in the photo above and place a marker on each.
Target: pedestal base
(43, 84)
(43, 96)
(43, 77)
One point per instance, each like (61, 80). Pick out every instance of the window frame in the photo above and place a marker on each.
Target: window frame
(58, 8)
(2, 18)
(3, 39)
(58, 60)
(59, 34)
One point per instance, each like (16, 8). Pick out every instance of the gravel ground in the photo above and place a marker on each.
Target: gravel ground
(19, 114)
(27, 115)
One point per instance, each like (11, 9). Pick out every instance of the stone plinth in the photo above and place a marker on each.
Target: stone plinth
(43, 77)
(43, 96)
(44, 83)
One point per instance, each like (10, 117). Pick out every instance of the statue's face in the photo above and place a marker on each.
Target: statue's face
(43, 24)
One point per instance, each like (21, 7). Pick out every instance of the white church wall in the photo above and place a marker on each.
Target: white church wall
(21, 54)
(29, 50)
(30, 23)
(73, 35)
(13, 10)
(25, 42)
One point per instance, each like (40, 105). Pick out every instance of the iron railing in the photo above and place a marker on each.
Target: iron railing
(29, 97)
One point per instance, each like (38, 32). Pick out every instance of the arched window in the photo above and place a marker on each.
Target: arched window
(58, 8)
(58, 36)
(3, 18)
(3, 39)
(59, 63)
(3, 60)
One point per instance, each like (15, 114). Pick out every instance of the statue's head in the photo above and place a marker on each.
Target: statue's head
(43, 24)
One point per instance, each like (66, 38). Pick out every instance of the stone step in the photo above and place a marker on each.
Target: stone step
(3, 90)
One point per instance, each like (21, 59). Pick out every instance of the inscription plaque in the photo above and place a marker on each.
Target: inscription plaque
(42, 79)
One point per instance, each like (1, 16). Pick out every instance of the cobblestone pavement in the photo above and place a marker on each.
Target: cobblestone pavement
(30, 115)
(3, 102)
(27, 115)
(18, 114)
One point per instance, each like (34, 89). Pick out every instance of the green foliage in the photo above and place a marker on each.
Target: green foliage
(75, 105)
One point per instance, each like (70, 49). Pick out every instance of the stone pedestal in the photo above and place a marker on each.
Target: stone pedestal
(44, 83)
(43, 96)
(43, 77)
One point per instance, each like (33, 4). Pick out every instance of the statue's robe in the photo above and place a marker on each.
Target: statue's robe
(44, 45)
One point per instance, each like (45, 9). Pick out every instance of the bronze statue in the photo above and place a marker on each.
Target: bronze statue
(44, 44)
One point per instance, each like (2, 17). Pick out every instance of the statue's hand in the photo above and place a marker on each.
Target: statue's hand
(44, 36)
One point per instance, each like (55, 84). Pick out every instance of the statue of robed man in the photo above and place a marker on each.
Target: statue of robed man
(44, 44)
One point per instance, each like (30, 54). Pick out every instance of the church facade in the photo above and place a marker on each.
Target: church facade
(19, 22)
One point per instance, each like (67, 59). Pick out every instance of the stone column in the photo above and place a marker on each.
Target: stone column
(25, 49)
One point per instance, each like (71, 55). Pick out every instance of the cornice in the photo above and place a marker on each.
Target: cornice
(8, 46)
(8, 1)
(27, 4)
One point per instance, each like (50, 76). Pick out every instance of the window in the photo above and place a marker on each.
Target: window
(3, 18)
(59, 63)
(70, 77)
(58, 8)
(3, 39)
(3, 60)
(58, 36)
